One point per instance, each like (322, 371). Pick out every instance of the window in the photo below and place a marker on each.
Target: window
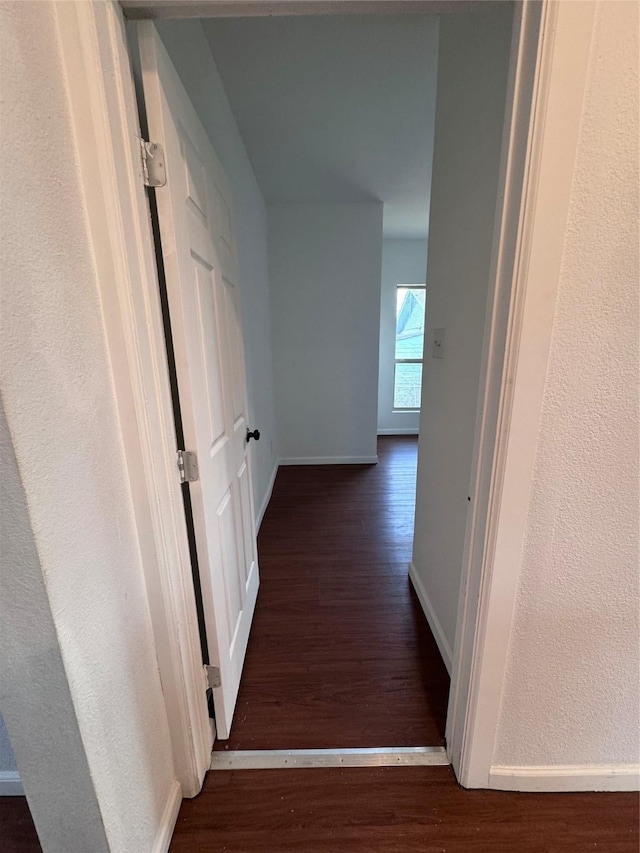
(407, 382)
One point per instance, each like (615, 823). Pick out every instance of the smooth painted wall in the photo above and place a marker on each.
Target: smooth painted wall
(81, 693)
(473, 62)
(571, 694)
(403, 262)
(189, 50)
(336, 107)
(324, 270)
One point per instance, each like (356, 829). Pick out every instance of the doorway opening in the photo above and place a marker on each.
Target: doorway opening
(315, 262)
(340, 653)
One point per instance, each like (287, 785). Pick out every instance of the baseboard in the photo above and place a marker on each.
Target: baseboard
(432, 619)
(399, 431)
(169, 818)
(330, 460)
(10, 784)
(267, 497)
(566, 777)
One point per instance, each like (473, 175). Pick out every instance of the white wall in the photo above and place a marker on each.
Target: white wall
(473, 60)
(81, 693)
(571, 694)
(403, 262)
(336, 107)
(7, 758)
(34, 688)
(324, 270)
(10, 783)
(190, 52)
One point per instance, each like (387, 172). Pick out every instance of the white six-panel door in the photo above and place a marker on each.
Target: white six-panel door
(199, 252)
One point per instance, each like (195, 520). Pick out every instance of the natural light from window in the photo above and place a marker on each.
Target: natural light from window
(410, 312)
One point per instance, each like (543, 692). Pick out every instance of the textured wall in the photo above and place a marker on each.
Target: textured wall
(571, 691)
(190, 52)
(473, 61)
(403, 262)
(62, 420)
(324, 269)
(34, 689)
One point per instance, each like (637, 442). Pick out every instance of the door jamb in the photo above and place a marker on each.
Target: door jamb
(537, 166)
(106, 126)
(548, 71)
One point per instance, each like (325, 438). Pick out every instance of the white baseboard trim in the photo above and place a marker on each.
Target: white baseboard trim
(330, 460)
(10, 784)
(432, 619)
(169, 818)
(399, 431)
(566, 777)
(267, 497)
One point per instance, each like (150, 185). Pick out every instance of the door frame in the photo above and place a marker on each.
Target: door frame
(105, 121)
(547, 77)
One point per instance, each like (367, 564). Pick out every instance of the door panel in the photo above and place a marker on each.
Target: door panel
(195, 211)
(210, 355)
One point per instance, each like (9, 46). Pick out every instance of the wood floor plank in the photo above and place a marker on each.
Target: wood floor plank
(378, 675)
(401, 809)
(17, 830)
(340, 653)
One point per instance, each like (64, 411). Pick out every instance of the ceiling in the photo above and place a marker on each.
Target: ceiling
(336, 108)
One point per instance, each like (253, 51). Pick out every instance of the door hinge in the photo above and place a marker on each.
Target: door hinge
(212, 675)
(188, 466)
(154, 173)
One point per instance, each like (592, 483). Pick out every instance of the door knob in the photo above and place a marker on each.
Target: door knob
(255, 434)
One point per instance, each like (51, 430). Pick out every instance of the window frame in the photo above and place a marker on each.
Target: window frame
(396, 360)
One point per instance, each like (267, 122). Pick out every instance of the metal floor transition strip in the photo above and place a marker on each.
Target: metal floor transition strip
(266, 759)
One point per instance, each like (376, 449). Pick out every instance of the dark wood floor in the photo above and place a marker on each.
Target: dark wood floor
(402, 809)
(17, 832)
(340, 653)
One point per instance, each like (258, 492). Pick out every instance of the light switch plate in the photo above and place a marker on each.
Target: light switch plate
(437, 345)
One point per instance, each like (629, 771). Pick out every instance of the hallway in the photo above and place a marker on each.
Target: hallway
(341, 656)
(340, 653)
